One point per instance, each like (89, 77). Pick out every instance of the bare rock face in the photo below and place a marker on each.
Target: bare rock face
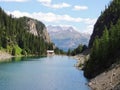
(37, 28)
(46, 35)
(32, 27)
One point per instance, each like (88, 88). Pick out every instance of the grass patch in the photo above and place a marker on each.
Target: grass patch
(16, 50)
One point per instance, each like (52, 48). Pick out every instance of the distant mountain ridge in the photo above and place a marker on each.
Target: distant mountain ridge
(66, 37)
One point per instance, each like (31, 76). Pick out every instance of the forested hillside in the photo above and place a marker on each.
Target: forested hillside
(77, 50)
(23, 35)
(105, 41)
(107, 18)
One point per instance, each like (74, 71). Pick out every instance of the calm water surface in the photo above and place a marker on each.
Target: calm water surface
(48, 73)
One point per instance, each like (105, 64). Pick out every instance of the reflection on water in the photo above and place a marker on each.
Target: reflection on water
(46, 73)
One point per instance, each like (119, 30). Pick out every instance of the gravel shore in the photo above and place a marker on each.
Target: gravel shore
(108, 80)
(81, 59)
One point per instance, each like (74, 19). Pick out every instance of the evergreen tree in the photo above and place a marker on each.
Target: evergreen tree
(15, 32)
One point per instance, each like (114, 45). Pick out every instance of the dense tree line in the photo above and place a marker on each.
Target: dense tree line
(77, 50)
(105, 50)
(59, 51)
(15, 38)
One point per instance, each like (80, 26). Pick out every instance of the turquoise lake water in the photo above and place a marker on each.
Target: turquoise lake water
(46, 73)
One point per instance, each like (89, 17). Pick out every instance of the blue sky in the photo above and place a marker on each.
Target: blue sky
(80, 14)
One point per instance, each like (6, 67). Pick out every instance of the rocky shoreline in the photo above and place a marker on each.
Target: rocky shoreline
(108, 80)
(4, 56)
(81, 59)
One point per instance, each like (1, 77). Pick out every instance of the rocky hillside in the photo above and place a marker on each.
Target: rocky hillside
(23, 35)
(109, 80)
(66, 37)
(37, 28)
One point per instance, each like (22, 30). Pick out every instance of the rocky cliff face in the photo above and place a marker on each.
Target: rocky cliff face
(32, 27)
(46, 35)
(37, 28)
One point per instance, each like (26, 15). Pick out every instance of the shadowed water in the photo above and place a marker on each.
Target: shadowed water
(48, 73)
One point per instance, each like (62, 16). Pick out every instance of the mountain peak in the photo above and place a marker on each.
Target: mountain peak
(66, 37)
(60, 28)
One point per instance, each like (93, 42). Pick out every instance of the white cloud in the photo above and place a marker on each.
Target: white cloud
(13, 0)
(51, 17)
(80, 7)
(44, 1)
(88, 29)
(89, 21)
(61, 5)
(18, 14)
(48, 3)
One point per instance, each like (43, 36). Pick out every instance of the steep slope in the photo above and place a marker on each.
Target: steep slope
(36, 28)
(107, 18)
(66, 37)
(23, 35)
(108, 80)
(105, 41)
